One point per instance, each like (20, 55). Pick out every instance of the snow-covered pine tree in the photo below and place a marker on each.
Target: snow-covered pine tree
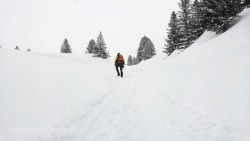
(145, 53)
(149, 50)
(184, 16)
(209, 14)
(231, 9)
(91, 46)
(28, 49)
(129, 62)
(173, 35)
(65, 48)
(101, 49)
(218, 14)
(235, 6)
(247, 3)
(95, 51)
(17, 48)
(197, 26)
(134, 61)
(141, 48)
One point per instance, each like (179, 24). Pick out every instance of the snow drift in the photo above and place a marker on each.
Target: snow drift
(200, 95)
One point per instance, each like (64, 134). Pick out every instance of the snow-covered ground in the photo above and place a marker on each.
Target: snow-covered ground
(203, 94)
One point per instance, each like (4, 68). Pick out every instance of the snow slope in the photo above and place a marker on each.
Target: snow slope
(199, 95)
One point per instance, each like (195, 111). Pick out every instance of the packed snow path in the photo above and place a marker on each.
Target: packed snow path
(133, 110)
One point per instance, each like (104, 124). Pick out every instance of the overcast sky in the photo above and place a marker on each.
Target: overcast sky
(42, 25)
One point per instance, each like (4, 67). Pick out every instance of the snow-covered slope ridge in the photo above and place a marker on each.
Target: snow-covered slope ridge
(201, 95)
(213, 76)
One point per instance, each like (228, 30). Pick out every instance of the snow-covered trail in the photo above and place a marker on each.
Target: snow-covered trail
(133, 109)
(200, 95)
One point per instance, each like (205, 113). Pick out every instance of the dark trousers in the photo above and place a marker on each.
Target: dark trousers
(121, 67)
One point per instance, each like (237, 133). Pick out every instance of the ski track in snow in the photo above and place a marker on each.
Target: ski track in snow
(130, 112)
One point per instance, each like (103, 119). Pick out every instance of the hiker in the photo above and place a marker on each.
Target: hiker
(119, 62)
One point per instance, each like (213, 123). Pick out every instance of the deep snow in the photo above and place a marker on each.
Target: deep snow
(200, 95)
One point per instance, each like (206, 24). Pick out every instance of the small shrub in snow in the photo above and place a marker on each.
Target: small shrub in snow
(17, 48)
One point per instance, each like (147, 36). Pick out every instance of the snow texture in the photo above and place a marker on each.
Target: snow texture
(200, 95)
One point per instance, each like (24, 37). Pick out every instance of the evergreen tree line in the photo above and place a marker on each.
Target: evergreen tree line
(132, 60)
(98, 48)
(145, 51)
(194, 17)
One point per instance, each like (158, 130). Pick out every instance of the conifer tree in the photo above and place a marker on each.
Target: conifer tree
(95, 51)
(184, 16)
(247, 3)
(134, 61)
(65, 48)
(149, 50)
(130, 61)
(235, 7)
(141, 48)
(218, 14)
(173, 35)
(28, 49)
(101, 50)
(197, 26)
(194, 18)
(91, 46)
(145, 50)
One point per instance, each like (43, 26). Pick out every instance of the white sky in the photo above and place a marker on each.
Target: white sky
(42, 25)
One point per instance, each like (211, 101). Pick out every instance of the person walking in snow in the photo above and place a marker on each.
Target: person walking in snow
(119, 63)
